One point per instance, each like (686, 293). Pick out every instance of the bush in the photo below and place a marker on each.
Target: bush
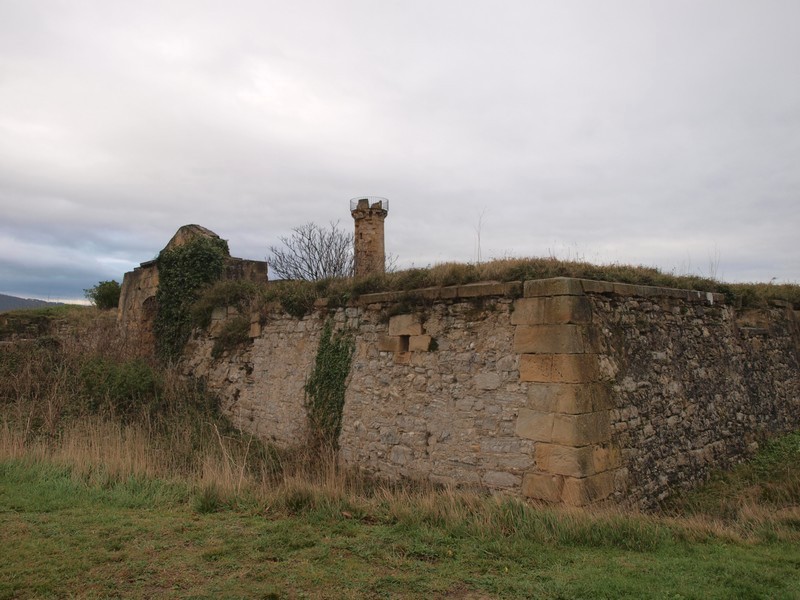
(122, 387)
(236, 293)
(105, 295)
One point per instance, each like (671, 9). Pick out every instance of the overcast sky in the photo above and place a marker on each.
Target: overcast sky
(663, 133)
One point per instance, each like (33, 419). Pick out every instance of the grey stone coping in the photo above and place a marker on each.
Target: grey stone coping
(452, 292)
(555, 286)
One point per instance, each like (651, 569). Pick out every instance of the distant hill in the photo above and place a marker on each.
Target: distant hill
(14, 303)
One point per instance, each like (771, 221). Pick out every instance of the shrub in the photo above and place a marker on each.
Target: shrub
(296, 297)
(237, 293)
(104, 295)
(122, 387)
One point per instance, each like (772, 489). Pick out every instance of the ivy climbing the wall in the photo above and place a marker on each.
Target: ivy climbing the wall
(182, 272)
(326, 386)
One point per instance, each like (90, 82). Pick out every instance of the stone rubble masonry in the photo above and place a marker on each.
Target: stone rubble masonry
(562, 390)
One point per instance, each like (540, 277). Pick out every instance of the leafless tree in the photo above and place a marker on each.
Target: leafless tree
(313, 252)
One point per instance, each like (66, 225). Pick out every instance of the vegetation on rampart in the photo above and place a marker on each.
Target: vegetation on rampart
(297, 298)
(183, 271)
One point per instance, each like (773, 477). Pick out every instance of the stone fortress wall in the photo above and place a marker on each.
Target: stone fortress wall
(562, 390)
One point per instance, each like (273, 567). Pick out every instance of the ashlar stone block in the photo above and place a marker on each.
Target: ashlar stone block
(419, 343)
(534, 425)
(596, 287)
(390, 343)
(586, 490)
(408, 324)
(486, 288)
(556, 286)
(568, 398)
(559, 368)
(549, 339)
(542, 486)
(565, 460)
(605, 458)
(582, 430)
(555, 310)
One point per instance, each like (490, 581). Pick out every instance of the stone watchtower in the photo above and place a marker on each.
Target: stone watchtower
(370, 254)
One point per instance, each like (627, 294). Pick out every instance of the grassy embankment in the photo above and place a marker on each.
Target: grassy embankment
(298, 297)
(119, 479)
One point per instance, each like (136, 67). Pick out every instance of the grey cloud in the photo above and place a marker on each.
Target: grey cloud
(633, 132)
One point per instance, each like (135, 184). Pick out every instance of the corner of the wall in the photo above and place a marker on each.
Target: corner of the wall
(567, 414)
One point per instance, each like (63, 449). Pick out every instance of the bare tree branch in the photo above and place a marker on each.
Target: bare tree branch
(313, 252)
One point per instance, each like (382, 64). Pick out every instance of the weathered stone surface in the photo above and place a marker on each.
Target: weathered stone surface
(583, 429)
(391, 343)
(565, 460)
(542, 486)
(559, 368)
(419, 343)
(408, 324)
(557, 286)
(534, 425)
(549, 339)
(692, 388)
(605, 457)
(513, 289)
(402, 358)
(583, 491)
(552, 311)
(569, 398)
(448, 293)
(501, 479)
(596, 287)
(487, 288)
(487, 381)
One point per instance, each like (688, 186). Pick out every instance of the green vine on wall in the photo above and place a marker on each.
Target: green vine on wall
(325, 387)
(182, 272)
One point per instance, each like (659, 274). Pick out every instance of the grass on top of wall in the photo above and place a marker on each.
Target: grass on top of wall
(298, 297)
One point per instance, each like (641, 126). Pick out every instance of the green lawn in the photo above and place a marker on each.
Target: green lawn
(63, 537)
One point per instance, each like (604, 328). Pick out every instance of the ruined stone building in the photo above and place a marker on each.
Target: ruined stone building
(562, 390)
(137, 301)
